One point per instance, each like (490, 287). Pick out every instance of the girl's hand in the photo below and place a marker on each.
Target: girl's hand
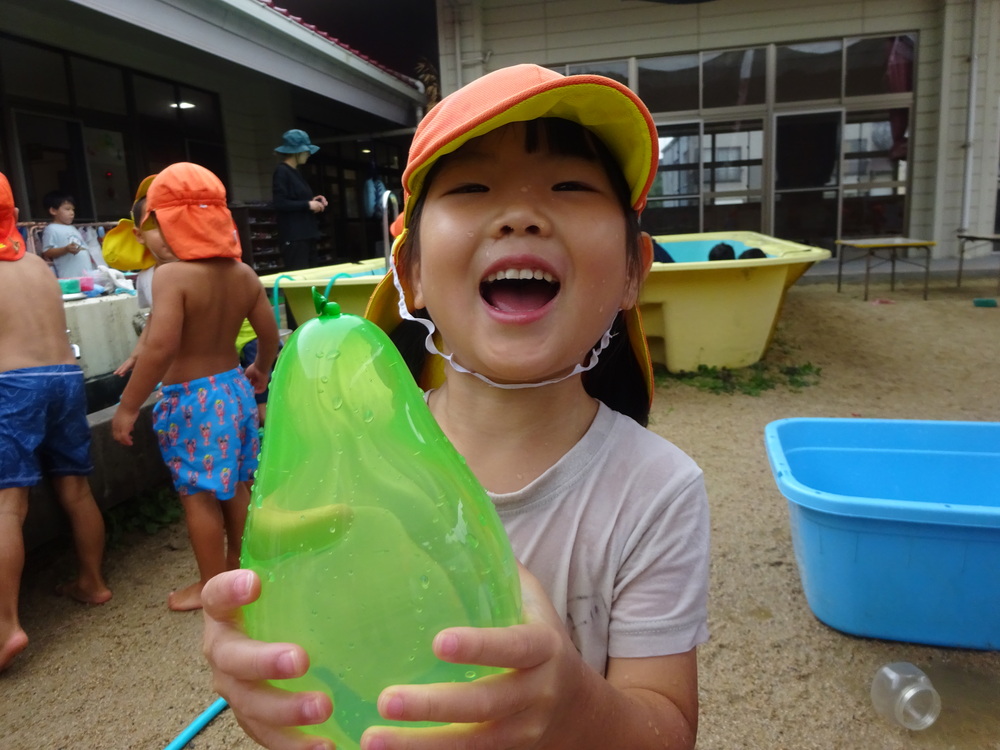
(241, 666)
(316, 205)
(531, 706)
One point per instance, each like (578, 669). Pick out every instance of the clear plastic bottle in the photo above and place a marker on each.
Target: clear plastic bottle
(904, 695)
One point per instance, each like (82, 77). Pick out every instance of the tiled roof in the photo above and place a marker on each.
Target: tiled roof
(333, 40)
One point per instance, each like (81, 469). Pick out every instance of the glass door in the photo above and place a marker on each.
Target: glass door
(732, 177)
(806, 177)
(674, 204)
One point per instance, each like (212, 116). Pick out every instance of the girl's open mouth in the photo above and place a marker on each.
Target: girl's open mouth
(517, 290)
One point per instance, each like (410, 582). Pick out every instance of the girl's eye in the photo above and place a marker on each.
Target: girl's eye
(571, 186)
(469, 187)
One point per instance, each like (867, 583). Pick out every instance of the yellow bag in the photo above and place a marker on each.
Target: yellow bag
(123, 251)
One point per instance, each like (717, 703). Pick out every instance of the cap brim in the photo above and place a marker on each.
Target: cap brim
(610, 110)
(143, 188)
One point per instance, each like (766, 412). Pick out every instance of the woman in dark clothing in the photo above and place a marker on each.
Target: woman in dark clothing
(295, 205)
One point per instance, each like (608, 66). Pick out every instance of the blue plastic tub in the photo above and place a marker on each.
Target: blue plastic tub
(895, 524)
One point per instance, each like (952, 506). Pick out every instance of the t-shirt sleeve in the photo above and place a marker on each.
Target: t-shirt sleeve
(661, 593)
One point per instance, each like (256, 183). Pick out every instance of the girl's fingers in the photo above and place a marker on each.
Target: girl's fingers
(264, 707)
(511, 734)
(224, 594)
(233, 656)
(285, 739)
(514, 647)
(231, 653)
(491, 698)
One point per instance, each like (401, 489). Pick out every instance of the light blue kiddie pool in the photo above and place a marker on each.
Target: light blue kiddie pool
(895, 524)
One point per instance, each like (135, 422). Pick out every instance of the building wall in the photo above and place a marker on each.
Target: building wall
(489, 34)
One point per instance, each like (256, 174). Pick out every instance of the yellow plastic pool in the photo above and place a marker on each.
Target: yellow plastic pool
(719, 313)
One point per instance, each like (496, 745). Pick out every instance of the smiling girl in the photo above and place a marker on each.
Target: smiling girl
(513, 297)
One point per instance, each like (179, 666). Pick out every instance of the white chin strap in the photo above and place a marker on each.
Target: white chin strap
(432, 347)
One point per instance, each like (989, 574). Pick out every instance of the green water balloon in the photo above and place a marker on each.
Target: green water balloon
(366, 527)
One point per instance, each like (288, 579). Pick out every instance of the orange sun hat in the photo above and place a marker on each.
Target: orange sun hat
(191, 210)
(11, 242)
(610, 110)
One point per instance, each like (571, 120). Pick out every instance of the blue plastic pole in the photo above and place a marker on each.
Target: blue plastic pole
(334, 281)
(197, 725)
(274, 297)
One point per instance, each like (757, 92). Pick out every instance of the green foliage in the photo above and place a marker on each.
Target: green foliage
(751, 381)
(147, 513)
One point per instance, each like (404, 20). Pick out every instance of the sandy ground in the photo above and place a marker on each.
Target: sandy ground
(130, 675)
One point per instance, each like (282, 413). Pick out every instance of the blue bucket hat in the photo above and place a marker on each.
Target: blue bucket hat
(295, 142)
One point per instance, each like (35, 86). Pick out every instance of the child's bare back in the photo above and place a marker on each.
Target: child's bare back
(200, 306)
(33, 332)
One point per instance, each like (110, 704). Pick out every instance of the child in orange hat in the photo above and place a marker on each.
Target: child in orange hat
(43, 426)
(206, 419)
(513, 296)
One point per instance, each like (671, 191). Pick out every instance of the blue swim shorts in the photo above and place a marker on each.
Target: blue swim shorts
(207, 432)
(43, 425)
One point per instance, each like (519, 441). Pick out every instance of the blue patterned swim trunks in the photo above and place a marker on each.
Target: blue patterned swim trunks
(207, 432)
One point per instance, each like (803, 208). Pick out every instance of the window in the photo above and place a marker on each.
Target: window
(807, 140)
(808, 71)
(722, 168)
(874, 181)
(616, 70)
(98, 86)
(669, 84)
(879, 65)
(673, 206)
(734, 78)
(34, 72)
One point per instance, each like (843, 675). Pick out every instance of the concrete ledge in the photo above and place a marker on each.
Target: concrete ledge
(120, 474)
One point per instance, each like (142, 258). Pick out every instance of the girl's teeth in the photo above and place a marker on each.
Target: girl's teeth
(523, 273)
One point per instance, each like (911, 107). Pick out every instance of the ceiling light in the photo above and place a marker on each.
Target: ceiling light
(182, 105)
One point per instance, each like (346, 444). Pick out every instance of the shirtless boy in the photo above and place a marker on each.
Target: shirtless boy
(43, 426)
(206, 419)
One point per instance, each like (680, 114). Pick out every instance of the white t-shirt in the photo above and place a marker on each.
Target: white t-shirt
(70, 265)
(144, 287)
(617, 531)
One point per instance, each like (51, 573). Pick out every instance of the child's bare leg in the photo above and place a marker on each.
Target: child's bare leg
(87, 524)
(206, 530)
(234, 513)
(13, 510)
